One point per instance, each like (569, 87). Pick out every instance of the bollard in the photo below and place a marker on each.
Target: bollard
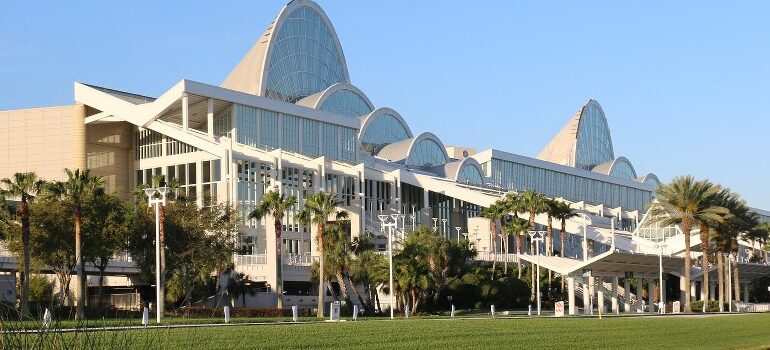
(529, 310)
(227, 314)
(493, 311)
(355, 312)
(145, 317)
(47, 318)
(294, 313)
(453, 311)
(406, 311)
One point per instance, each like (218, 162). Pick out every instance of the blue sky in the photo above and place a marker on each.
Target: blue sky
(684, 85)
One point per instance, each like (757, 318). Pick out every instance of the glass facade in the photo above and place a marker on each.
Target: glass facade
(594, 144)
(382, 130)
(521, 177)
(304, 57)
(150, 144)
(265, 129)
(346, 102)
(470, 174)
(426, 153)
(623, 169)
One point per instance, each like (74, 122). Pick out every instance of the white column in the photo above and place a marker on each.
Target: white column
(614, 295)
(571, 294)
(210, 117)
(712, 291)
(682, 290)
(586, 297)
(199, 183)
(651, 294)
(600, 295)
(185, 112)
(639, 299)
(591, 294)
(663, 294)
(627, 294)
(693, 291)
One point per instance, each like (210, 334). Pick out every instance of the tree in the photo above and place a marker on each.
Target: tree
(518, 228)
(680, 202)
(319, 207)
(550, 205)
(76, 188)
(535, 203)
(563, 212)
(275, 205)
(366, 267)
(705, 220)
(25, 187)
(495, 212)
(240, 285)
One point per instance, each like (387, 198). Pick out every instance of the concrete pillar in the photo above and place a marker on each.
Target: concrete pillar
(586, 297)
(571, 294)
(614, 295)
(651, 294)
(185, 112)
(639, 299)
(663, 294)
(600, 295)
(627, 296)
(712, 291)
(591, 294)
(693, 291)
(210, 117)
(682, 290)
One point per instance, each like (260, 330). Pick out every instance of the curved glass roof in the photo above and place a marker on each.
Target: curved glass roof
(594, 144)
(346, 102)
(426, 153)
(651, 179)
(382, 130)
(470, 173)
(621, 168)
(304, 57)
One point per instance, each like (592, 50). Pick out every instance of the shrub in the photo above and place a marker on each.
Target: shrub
(713, 306)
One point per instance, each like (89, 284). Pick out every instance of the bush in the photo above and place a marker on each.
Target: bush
(713, 306)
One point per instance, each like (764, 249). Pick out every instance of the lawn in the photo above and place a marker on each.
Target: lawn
(695, 332)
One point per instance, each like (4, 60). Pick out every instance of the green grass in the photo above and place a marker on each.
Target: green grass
(715, 332)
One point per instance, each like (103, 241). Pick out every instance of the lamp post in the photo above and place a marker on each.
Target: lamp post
(729, 282)
(414, 217)
(443, 224)
(390, 227)
(151, 200)
(435, 227)
(537, 237)
(458, 228)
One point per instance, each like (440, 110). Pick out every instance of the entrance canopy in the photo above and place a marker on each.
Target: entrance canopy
(610, 264)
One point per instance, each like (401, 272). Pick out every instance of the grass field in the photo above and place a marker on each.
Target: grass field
(694, 332)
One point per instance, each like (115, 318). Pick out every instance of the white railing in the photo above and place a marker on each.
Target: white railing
(299, 259)
(256, 259)
(751, 307)
(500, 257)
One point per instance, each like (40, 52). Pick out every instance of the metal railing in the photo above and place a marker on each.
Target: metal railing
(500, 257)
(305, 259)
(256, 259)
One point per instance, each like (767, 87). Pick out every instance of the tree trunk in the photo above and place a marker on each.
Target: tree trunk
(561, 237)
(162, 249)
(80, 311)
(685, 225)
(355, 291)
(704, 245)
(518, 250)
(343, 287)
(415, 301)
(505, 245)
(532, 227)
(549, 237)
(100, 293)
(320, 233)
(494, 248)
(26, 256)
(721, 280)
(736, 280)
(278, 261)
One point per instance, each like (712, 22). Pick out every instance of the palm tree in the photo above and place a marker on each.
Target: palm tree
(78, 186)
(319, 207)
(563, 212)
(275, 205)
(494, 212)
(705, 222)
(25, 187)
(535, 203)
(680, 202)
(551, 205)
(517, 227)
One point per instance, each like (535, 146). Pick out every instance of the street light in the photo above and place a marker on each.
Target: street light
(151, 200)
(458, 228)
(435, 227)
(390, 226)
(537, 237)
(443, 223)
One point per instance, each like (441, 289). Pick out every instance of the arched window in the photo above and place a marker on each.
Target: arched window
(652, 180)
(304, 58)
(594, 144)
(346, 102)
(623, 169)
(470, 174)
(426, 153)
(382, 130)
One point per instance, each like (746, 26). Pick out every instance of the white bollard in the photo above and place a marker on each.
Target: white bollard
(406, 311)
(227, 314)
(453, 311)
(47, 318)
(294, 313)
(529, 310)
(145, 317)
(355, 312)
(493, 311)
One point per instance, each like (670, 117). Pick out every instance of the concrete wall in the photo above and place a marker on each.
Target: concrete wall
(43, 140)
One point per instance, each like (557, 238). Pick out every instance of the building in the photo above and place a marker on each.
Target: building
(288, 118)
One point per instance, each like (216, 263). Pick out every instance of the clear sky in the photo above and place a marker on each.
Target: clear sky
(684, 84)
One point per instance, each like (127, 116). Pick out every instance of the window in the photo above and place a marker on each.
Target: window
(426, 153)
(346, 102)
(382, 130)
(470, 174)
